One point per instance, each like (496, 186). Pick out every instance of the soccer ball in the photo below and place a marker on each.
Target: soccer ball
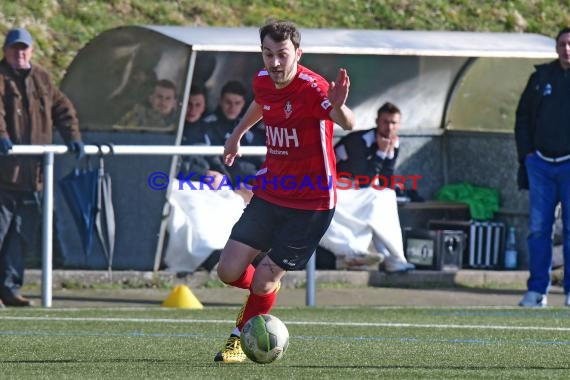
(264, 338)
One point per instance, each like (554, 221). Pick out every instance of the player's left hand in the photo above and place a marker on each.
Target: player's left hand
(338, 90)
(231, 150)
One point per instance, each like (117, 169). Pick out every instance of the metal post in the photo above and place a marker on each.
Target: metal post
(48, 152)
(47, 230)
(311, 274)
(166, 209)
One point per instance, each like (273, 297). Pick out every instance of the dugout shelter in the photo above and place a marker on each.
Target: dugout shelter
(457, 92)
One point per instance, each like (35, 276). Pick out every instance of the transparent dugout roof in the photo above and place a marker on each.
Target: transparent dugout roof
(456, 80)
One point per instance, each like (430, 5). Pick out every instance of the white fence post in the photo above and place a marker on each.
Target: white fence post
(48, 152)
(47, 230)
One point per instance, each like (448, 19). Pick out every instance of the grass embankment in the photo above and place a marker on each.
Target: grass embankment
(62, 27)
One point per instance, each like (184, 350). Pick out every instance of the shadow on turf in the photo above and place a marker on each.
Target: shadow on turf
(498, 291)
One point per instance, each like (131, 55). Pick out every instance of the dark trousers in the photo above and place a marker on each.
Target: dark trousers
(20, 219)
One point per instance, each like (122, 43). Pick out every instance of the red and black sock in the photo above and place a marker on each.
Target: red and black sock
(257, 304)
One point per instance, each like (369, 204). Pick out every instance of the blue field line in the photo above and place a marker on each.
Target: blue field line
(431, 340)
(139, 334)
(536, 313)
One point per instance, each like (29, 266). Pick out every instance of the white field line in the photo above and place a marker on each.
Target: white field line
(305, 323)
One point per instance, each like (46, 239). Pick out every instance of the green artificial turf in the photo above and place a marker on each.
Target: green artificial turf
(328, 343)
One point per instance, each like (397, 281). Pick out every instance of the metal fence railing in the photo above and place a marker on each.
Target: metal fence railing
(49, 152)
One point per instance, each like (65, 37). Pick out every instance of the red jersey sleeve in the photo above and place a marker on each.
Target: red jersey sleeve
(318, 97)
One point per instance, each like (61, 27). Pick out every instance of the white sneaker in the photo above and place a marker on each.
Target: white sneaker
(534, 299)
(359, 261)
(393, 265)
(567, 302)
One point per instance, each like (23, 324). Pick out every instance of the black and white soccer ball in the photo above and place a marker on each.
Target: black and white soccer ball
(264, 338)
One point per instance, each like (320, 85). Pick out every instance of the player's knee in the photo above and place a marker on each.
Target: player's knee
(261, 288)
(225, 275)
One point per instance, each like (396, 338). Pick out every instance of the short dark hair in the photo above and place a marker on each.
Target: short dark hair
(388, 107)
(562, 31)
(198, 89)
(165, 83)
(234, 87)
(280, 31)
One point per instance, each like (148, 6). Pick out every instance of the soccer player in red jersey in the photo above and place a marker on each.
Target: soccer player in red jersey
(294, 195)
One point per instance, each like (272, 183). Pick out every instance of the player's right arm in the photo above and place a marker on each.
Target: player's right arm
(231, 147)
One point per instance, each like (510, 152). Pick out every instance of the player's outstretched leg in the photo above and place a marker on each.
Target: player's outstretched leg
(232, 352)
(254, 305)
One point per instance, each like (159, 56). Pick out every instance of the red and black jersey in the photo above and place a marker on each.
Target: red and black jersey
(299, 169)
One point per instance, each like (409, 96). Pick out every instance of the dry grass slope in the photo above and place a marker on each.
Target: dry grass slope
(62, 27)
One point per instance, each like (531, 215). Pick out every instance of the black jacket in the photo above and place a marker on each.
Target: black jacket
(195, 134)
(543, 113)
(356, 154)
(543, 116)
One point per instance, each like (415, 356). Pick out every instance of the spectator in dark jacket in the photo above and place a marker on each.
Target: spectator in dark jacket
(220, 124)
(372, 154)
(542, 133)
(194, 133)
